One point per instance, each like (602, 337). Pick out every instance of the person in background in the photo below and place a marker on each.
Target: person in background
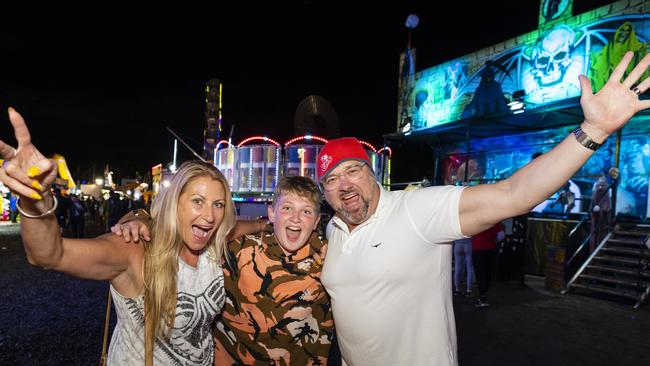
(112, 210)
(76, 214)
(463, 266)
(483, 246)
(13, 210)
(600, 210)
(565, 201)
(91, 206)
(62, 210)
(99, 212)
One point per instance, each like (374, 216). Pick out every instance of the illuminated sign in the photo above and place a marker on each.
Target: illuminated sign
(537, 69)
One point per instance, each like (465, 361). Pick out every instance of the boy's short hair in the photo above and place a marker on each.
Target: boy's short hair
(301, 187)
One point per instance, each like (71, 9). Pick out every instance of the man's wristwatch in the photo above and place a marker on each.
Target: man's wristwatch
(585, 140)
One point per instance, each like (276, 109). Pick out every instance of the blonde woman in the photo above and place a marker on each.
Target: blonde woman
(166, 292)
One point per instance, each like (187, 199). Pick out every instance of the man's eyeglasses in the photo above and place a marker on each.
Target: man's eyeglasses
(352, 173)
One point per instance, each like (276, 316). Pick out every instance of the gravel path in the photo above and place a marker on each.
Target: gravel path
(46, 317)
(49, 318)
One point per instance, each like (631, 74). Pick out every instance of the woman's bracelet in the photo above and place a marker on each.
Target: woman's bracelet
(40, 216)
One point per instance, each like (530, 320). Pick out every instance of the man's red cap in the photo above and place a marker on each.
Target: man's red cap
(338, 151)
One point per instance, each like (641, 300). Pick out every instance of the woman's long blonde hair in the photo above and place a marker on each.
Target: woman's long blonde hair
(161, 253)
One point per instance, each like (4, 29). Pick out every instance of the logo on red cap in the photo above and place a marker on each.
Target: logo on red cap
(325, 161)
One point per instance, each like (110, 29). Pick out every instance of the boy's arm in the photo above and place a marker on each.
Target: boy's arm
(246, 227)
(135, 225)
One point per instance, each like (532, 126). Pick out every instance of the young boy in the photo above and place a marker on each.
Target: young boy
(277, 310)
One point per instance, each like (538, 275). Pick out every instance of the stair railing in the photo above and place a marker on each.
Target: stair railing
(586, 263)
(646, 292)
(571, 238)
(585, 217)
(580, 248)
(643, 296)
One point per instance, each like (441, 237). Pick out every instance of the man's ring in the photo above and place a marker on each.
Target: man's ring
(636, 90)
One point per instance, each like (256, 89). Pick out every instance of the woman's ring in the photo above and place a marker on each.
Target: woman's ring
(636, 90)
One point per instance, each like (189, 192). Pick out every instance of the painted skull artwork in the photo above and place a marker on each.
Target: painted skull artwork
(551, 55)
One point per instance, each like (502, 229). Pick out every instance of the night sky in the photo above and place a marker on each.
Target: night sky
(99, 85)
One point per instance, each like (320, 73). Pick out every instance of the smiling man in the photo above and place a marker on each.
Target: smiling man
(388, 267)
(384, 271)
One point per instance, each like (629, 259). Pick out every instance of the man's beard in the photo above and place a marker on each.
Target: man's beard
(358, 216)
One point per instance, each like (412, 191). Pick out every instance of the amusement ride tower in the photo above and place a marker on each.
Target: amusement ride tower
(212, 131)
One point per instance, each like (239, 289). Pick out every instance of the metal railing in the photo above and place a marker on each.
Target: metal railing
(586, 263)
(580, 248)
(584, 219)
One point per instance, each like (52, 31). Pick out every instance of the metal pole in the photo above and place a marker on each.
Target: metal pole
(175, 153)
(436, 161)
(186, 145)
(614, 184)
(467, 136)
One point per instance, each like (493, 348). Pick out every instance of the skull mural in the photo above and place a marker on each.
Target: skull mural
(551, 55)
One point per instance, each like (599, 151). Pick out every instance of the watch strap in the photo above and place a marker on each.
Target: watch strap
(585, 140)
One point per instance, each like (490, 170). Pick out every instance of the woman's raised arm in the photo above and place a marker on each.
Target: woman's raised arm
(30, 174)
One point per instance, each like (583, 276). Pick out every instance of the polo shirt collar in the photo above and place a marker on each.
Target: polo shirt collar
(385, 200)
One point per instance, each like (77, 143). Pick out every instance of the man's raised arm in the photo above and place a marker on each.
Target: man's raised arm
(604, 113)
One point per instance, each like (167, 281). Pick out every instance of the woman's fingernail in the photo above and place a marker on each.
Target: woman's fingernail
(37, 185)
(11, 109)
(33, 171)
(36, 196)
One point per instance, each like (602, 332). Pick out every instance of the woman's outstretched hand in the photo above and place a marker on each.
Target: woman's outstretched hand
(25, 170)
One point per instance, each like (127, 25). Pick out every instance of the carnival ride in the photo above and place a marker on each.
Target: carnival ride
(254, 166)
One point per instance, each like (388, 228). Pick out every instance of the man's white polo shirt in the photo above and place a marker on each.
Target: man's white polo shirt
(390, 280)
